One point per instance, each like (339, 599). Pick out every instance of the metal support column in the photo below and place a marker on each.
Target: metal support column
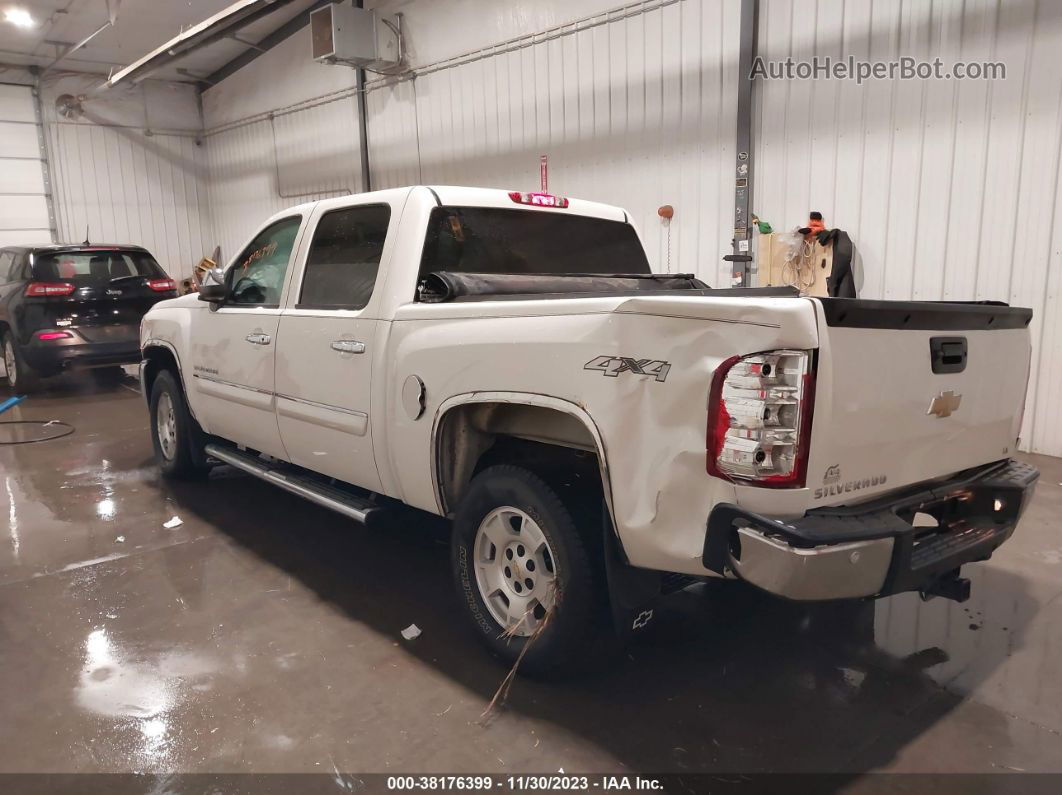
(363, 125)
(741, 257)
(46, 169)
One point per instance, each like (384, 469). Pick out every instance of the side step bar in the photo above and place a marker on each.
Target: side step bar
(357, 508)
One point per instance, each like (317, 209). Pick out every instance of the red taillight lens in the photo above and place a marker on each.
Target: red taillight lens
(54, 335)
(162, 285)
(759, 418)
(539, 199)
(43, 290)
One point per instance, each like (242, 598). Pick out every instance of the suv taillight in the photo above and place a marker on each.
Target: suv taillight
(44, 290)
(162, 285)
(759, 418)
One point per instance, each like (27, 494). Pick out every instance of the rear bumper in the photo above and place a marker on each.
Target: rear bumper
(873, 549)
(51, 356)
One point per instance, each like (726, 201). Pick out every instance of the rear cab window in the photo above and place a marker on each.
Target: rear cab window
(496, 240)
(95, 268)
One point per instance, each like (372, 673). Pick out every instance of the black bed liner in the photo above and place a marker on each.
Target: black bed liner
(447, 286)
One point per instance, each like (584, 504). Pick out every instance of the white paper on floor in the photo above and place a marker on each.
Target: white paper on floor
(174, 522)
(411, 632)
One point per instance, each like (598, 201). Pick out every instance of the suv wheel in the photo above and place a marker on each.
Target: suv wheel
(20, 377)
(175, 435)
(526, 575)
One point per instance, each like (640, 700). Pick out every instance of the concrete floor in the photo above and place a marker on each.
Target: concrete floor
(263, 635)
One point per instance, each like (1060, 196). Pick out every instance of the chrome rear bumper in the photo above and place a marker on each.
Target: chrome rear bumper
(873, 549)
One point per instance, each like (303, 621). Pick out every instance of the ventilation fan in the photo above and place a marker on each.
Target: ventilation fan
(68, 106)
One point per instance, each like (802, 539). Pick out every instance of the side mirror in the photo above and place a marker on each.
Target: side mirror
(213, 289)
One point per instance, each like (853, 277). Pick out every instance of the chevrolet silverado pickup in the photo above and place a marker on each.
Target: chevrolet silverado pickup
(597, 433)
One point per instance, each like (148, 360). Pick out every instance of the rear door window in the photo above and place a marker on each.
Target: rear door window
(495, 240)
(344, 258)
(7, 266)
(95, 268)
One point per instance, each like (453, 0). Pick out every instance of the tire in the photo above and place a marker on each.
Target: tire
(498, 577)
(175, 435)
(22, 378)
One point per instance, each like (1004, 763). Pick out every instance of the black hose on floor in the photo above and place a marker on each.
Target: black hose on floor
(65, 429)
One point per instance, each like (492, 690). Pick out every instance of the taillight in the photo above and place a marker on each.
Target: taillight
(54, 335)
(759, 418)
(538, 199)
(44, 290)
(162, 285)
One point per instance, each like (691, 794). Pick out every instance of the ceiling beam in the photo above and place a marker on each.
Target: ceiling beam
(267, 43)
(216, 28)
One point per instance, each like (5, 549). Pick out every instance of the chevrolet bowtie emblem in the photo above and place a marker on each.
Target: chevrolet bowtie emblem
(944, 404)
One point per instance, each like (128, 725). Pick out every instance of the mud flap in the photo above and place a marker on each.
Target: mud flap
(633, 593)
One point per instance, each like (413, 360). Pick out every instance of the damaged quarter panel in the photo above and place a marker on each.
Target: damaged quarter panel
(639, 367)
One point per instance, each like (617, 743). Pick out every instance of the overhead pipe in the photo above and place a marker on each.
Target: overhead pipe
(75, 47)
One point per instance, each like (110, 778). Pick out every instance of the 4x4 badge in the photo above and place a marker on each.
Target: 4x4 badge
(612, 366)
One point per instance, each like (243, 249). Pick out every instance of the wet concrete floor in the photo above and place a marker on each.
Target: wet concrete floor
(262, 635)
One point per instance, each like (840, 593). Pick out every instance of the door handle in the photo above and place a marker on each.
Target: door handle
(348, 346)
(258, 338)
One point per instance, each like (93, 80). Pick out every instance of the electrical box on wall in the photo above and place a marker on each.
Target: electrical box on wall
(343, 33)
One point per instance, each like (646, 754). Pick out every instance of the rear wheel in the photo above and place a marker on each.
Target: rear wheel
(529, 580)
(175, 434)
(20, 376)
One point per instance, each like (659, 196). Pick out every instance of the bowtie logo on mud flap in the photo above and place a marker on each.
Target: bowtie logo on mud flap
(642, 619)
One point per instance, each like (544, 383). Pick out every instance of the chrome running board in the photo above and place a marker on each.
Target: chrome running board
(357, 508)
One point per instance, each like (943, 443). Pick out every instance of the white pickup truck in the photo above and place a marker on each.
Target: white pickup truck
(597, 433)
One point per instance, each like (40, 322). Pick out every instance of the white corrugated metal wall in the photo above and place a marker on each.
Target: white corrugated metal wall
(280, 132)
(634, 106)
(258, 168)
(24, 216)
(131, 170)
(949, 188)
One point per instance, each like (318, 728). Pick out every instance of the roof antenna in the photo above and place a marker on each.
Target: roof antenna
(86, 243)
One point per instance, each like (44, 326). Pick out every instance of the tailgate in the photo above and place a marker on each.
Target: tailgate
(912, 391)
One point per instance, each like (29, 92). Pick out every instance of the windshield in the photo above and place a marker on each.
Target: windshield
(95, 268)
(492, 240)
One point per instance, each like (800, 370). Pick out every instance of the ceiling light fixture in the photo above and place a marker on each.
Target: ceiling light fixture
(20, 18)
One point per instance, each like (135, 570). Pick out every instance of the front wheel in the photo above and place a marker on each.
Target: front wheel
(529, 580)
(175, 435)
(20, 376)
